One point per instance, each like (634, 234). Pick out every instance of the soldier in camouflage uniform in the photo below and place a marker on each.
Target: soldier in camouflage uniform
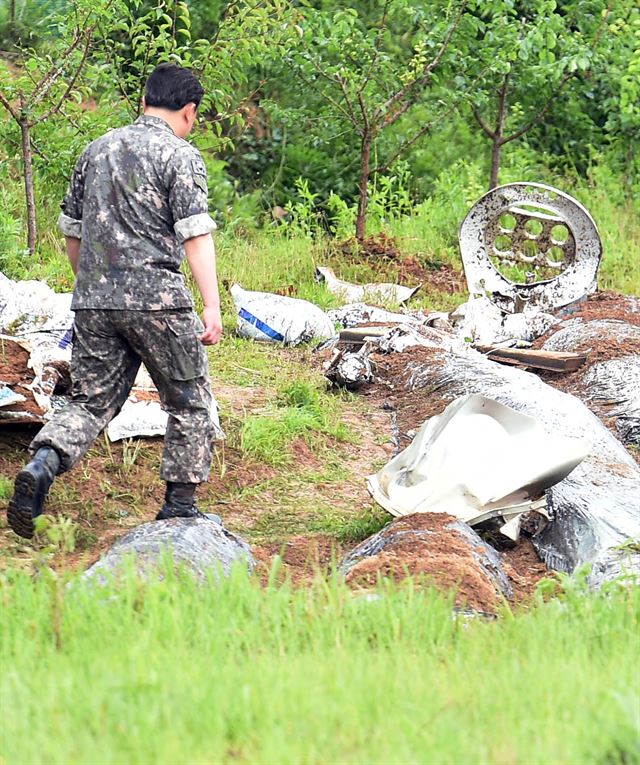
(136, 204)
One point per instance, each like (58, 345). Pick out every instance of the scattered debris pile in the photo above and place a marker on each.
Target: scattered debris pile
(484, 348)
(36, 335)
(531, 366)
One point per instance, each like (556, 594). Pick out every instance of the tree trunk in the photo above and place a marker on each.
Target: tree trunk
(498, 133)
(27, 167)
(365, 155)
(496, 150)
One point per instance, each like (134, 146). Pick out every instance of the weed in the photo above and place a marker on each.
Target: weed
(56, 533)
(130, 453)
(6, 488)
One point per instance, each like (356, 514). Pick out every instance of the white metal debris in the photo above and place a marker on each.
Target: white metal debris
(375, 292)
(477, 460)
(534, 226)
(354, 314)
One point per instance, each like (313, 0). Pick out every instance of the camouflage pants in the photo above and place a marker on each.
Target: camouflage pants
(108, 347)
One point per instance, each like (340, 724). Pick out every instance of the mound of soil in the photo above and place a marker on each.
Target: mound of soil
(428, 547)
(605, 305)
(433, 276)
(15, 373)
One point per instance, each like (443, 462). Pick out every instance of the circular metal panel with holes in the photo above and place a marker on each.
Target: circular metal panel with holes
(536, 232)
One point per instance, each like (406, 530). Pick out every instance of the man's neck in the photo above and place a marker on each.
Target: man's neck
(171, 118)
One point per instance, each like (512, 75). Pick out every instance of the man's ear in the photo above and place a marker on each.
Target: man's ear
(144, 103)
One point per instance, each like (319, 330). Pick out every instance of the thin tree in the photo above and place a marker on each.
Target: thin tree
(546, 57)
(368, 83)
(32, 100)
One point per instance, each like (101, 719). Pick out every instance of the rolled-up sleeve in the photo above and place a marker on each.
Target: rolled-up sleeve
(188, 195)
(70, 219)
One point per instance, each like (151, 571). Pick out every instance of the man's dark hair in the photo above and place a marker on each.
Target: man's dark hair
(171, 87)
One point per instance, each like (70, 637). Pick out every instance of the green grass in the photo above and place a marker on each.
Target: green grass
(300, 411)
(173, 672)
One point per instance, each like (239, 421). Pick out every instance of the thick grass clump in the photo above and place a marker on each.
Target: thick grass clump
(177, 671)
(300, 410)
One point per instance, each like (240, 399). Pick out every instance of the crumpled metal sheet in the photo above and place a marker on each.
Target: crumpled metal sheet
(549, 207)
(481, 321)
(402, 337)
(610, 387)
(351, 370)
(201, 545)
(354, 293)
(594, 509)
(477, 460)
(486, 557)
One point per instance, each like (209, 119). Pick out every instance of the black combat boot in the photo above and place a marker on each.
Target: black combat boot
(179, 502)
(30, 490)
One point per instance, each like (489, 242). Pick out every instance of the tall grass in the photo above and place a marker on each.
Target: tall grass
(173, 672)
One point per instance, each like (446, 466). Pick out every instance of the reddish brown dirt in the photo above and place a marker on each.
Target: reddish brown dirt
(14, 372)
(303, 558)
(606, 305)
(442, 560)
(412, 407)
(376, 246)
(435, 278)
(524, 568)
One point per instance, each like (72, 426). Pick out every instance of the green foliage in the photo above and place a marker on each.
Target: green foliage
(319, 674)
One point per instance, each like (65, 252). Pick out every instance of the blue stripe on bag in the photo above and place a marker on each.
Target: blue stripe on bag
(67, 338)
(260, 325)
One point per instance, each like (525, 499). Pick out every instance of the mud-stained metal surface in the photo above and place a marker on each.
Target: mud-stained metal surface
(199, 545)
(536, 227)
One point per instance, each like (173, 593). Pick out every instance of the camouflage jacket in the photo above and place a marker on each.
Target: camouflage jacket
(136, 195)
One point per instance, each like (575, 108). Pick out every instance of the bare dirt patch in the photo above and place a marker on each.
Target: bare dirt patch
(303, 558)
(524, 569)
(606, 305)
(434, 277)
(15, 373)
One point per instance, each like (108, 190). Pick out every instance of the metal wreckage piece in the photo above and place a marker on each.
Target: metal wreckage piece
(592, 495)
(536, 227)
(477, 460)
(355, 293)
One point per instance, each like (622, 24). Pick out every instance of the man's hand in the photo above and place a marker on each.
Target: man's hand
(201, 256)
(212, 325)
